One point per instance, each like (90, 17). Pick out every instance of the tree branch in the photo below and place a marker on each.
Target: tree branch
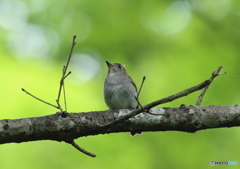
(64, 75)
(81, 149)
(214, 74)
(71, 126)
(39, 99)
(143, 80)
(61, 86)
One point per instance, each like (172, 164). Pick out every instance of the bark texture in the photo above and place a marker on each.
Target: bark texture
(69, 126)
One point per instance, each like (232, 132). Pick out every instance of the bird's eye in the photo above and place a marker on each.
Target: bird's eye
(119, 66)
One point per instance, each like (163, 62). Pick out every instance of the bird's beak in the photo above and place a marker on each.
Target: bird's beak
(109, 64)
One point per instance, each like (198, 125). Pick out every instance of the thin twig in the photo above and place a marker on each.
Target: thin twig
(147, 111)
(39, 99)
(81, 149)
(60, 88)
(214, 74)
(67, 75)
(158, 102)
(144, 78)
(64, 91)
(64, 97)
(59, 107)
(138, 102)
(64, 74)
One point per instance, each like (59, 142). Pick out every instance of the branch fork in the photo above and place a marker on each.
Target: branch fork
(65, 74)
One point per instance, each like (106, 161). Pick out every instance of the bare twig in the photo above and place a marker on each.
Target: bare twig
(62, 87)
(64, 75)
(67, 75)
(39, 99)
(144, 78)
(81, 149)
(138, 102)
(64, 97)
(147, 111)
(214, 74)
(60, 108)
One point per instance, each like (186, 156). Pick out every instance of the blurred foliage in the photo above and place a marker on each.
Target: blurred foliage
(175, 44)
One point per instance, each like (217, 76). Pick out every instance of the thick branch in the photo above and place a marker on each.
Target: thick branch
(69, 126)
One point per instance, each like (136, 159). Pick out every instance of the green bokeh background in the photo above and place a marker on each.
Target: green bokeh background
(175, 44)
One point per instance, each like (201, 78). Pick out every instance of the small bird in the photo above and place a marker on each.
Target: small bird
(120, 92)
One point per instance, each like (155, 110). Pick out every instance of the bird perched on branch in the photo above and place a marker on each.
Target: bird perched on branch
(120, 92)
